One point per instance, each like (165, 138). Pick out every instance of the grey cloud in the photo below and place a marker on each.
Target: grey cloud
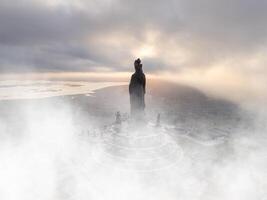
(37, 37)
(32, 24)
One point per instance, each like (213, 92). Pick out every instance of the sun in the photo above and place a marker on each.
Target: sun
(146, 51)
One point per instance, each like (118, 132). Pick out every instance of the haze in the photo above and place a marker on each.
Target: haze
(217, 46)
(65, 66)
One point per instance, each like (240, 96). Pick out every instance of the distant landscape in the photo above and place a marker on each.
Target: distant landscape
(185, 107)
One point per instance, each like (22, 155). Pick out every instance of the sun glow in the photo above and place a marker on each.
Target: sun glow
(146, 51)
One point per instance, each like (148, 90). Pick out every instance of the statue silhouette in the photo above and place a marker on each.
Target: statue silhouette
(137, 90)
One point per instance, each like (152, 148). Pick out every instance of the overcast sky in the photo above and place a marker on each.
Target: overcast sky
(203, 41)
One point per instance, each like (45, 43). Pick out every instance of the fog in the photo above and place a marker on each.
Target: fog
(58, 139)
(51, 149)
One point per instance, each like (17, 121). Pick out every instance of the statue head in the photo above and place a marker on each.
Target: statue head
(137, 65)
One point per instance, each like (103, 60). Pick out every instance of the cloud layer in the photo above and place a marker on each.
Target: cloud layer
(108, 34)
